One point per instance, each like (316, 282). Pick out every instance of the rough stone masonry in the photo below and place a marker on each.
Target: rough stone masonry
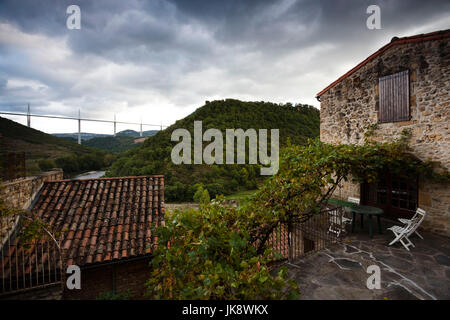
(352, 105)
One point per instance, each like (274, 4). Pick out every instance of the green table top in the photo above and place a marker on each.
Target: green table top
(366, 210)
(342, 203)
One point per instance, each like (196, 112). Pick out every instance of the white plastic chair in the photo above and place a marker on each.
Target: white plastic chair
(337, 224)
(338, 220)
(408, 221)
(402, 233)
(353, 200)
(347, 219)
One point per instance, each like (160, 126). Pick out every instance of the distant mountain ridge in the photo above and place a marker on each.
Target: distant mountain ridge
(135, 134)
(88, 136)
(123, 141)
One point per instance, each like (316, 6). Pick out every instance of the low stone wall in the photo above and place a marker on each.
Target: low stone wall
(123, 277)
(19, 193)
(169, 207)
(49, 292)
(434, 198)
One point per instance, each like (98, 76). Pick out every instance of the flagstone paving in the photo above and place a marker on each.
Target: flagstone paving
(340, 271)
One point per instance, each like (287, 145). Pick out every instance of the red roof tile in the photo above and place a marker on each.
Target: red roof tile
(101, 220)
(395, 41)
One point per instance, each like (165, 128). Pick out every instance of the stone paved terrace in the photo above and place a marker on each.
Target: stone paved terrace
(339, 272)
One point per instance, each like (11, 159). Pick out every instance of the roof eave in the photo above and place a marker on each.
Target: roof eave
(412, 39)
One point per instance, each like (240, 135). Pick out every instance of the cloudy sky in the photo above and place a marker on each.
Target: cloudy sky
(160, 60)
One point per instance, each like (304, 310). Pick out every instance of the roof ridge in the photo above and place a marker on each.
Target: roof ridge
(106, 178)
(394, 41)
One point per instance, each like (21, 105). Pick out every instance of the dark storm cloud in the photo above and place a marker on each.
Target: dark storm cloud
(325, 20)
(179, 53)
(122, 25)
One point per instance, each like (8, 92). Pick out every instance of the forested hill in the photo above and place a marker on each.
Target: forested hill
(296, 123)
(44, 151)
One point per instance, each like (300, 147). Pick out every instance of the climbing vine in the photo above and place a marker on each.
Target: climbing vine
(223, 253)
(29, 228)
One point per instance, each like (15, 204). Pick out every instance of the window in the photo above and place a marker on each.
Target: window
(394, 97)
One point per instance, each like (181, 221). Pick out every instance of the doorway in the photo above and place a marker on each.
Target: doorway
(396, 195)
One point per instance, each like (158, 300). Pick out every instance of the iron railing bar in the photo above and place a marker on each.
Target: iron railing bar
(29, 254)
(9, 259)
(48, 257)
(2, 260)
(42, 262)
(23, 268)
(54, 257)
(17, 262)
(37, 269)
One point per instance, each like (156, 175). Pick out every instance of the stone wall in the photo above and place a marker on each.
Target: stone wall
(350, 107)
(121, 277)
(19, 193)
(48, 292)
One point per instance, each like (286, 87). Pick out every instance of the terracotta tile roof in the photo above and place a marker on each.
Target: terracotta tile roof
(104, 219)
(395, 41)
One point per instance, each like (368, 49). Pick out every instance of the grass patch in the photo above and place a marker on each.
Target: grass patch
(242, 195)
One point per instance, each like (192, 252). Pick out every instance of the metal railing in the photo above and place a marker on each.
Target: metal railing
(300, 239)
(40, 263)
(314, 234)
(26, 265)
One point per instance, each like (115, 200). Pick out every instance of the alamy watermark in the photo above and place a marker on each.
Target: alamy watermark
(74, 20)
(374, 20)
(374, 281)
(213, 152)
(74, 280)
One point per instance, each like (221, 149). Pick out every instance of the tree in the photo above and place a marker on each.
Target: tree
(46, 164)
(220, 252)
(308, 176)
(206, 254)
(201, 195)
(68, 164)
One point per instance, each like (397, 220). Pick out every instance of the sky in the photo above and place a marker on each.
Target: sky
(160, 60)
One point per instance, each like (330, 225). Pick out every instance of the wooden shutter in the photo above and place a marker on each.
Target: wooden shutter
(394, 97)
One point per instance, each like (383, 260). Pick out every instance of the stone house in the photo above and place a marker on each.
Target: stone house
(103, 226)
(403, 85)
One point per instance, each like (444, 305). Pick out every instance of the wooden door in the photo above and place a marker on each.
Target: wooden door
(397, 196)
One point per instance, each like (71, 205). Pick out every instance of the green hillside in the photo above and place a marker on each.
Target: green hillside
(132, 133)
(296, 123)
(112, 144)
(89, 135)
(44, 151)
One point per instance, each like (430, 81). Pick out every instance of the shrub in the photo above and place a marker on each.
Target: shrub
(201, 195)
(219, 252)
(210, 257)
(215, 189)
(46, 164)
(178, 192)
(68, 164)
